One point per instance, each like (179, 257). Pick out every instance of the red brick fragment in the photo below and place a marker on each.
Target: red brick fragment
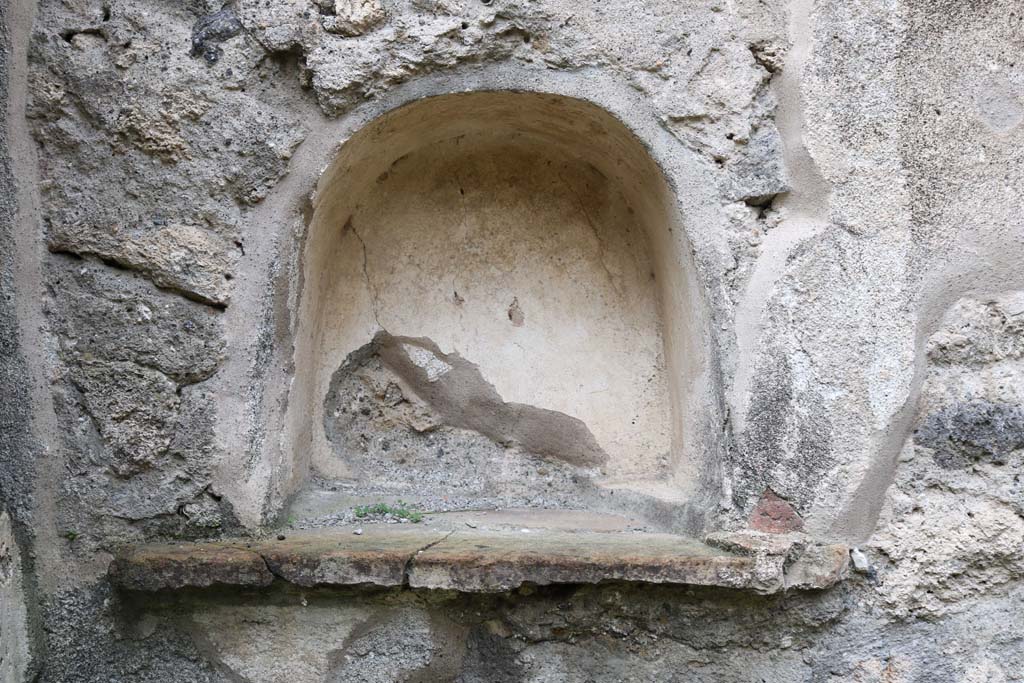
(774, 515)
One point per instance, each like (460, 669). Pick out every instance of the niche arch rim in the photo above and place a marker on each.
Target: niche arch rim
(266, 471)
(579, 130)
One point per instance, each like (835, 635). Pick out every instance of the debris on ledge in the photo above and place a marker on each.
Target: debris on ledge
(486, 561)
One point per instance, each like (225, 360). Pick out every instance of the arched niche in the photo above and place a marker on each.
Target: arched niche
(516, 265)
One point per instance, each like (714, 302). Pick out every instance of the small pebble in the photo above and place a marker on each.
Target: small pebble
(280, 537)
(358, 532)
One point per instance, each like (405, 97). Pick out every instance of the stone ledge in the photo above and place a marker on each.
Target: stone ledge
(157, 567)
(485, 561)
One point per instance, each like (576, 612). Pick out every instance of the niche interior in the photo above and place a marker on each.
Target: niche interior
(497, 310)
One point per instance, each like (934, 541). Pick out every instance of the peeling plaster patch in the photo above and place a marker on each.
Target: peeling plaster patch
(465, 399)
(998, 103)
(515, 313)
(427, 361)
(447, 442)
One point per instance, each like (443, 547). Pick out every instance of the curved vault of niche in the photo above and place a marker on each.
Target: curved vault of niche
(493, 310)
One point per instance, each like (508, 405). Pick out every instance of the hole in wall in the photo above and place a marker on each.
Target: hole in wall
(481, 323)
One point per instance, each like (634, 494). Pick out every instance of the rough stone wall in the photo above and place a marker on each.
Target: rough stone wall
(859, 247)
(953, 527)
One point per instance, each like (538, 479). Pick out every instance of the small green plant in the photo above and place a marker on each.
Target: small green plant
(399, 510)
(70, 535)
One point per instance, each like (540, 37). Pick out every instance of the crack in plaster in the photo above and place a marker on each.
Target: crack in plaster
(601, 249)
(370, 289)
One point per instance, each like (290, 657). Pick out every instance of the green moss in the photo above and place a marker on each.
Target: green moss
(399, 510)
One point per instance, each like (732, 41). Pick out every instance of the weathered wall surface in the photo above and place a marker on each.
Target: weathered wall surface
(849, 180)
(18, 447)
(544, 235)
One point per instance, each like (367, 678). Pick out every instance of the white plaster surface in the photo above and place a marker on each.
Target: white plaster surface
(530, 235)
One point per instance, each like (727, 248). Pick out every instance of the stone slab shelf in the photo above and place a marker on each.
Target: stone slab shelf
(484, 561)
